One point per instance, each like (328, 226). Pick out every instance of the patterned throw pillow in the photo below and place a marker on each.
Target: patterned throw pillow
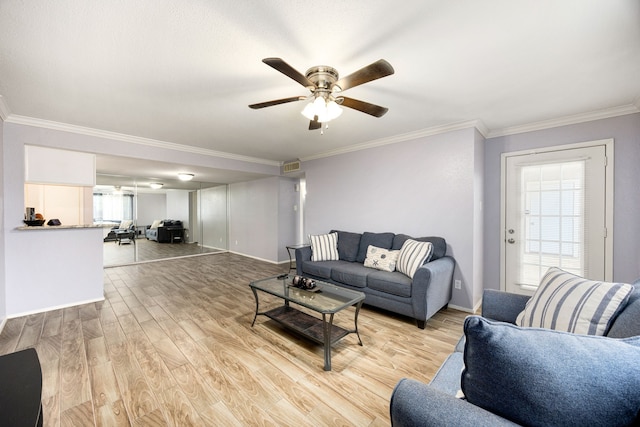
(412, 255)
(570, 303)
(324, 247)
(381, 259)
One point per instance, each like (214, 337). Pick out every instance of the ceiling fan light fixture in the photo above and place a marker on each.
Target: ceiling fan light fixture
(185, 176)
(156, 185)
(325, 110)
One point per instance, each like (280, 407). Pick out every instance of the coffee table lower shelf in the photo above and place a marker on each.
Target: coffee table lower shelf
(305, 324)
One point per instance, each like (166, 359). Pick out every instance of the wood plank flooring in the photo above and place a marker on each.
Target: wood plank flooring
(172, 345)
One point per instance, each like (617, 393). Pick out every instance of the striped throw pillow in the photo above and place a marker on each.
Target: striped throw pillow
(324, 247)
(570, 303)
(412, 255)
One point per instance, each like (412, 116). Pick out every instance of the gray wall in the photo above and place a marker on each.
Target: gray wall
(178, 206)
(261, 218)
(625, 130)
(150, 208)
(213, 217)
(424, 187)
(3, 289)
(253, 221)
(288, 218)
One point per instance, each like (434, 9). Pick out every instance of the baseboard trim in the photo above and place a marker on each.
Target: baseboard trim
(58, 307)
(474, 310)
(260, 259)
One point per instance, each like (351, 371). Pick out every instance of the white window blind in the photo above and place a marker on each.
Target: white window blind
(553, 217)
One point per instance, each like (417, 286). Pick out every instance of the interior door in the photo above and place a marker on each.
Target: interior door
(555, 215)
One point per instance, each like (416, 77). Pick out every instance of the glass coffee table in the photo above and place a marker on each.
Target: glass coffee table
(326, 299)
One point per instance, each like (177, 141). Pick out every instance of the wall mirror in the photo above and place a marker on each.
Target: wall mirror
(162, 219)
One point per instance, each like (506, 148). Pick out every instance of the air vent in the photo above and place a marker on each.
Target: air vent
(291, 167)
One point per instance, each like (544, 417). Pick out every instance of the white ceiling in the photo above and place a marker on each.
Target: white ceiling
(184, 72)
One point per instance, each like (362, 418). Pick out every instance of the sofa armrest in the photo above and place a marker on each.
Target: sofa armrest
(431, 288)
(416, 404)
(302, 254)
(502, 306)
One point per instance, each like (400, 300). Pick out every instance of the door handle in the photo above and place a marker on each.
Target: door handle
(512, 241)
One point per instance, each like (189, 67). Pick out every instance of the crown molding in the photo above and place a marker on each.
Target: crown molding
(568, 120)
(81, 130)
(4, 109)
(409, 136)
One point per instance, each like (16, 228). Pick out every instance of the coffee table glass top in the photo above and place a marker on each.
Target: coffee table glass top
(327, 298)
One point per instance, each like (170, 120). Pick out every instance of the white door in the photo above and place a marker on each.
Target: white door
(555, 214)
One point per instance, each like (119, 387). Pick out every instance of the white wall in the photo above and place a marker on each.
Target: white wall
(151, 206)
(625, 130)
(423, 187)
(59, 268)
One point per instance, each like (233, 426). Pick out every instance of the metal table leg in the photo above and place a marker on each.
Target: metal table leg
(326, 329)
(255, 295)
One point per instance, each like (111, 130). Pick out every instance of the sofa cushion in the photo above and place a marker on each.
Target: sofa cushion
(348, 245)
(381, 259)
(320, 269)
(447, 379)
(394, 283)
(627, 324)
(439, 244)
(324, 247)
(412, 255)
(381, 240)
(538, 376)
(566, 302)
(351, 273)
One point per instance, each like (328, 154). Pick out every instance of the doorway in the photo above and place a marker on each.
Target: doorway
(556, 211)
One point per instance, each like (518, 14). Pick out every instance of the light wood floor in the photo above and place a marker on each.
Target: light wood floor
(172, 344)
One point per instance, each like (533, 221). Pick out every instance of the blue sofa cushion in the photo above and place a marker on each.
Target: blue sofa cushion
(351, 273)
(544, 377)
(348, 245)
(627, 324)
(439, 244)
(394, 283)
(319, 268)
(381, 240)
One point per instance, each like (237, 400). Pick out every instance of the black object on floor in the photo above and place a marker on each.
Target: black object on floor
(21, 389)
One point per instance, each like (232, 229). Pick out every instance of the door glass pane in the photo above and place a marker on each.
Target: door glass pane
(552, 219)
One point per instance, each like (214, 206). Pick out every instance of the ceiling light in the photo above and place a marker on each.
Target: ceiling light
(324, 108)
(156, 185)
(185, 176)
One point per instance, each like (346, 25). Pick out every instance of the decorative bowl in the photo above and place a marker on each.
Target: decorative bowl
(34, 222)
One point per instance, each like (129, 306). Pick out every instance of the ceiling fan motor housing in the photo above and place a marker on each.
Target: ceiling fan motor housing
(322, 76)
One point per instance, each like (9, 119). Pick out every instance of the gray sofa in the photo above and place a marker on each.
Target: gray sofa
(605, 368)
(420, 298)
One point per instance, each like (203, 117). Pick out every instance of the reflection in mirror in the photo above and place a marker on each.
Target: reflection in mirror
(145, 219)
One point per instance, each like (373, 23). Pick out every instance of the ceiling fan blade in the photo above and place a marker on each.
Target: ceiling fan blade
(365, 107)
(289, 71)
(277, 102)
(314, 124)
(377, 70)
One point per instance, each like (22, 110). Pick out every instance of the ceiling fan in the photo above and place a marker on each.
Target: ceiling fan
(326, 86)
